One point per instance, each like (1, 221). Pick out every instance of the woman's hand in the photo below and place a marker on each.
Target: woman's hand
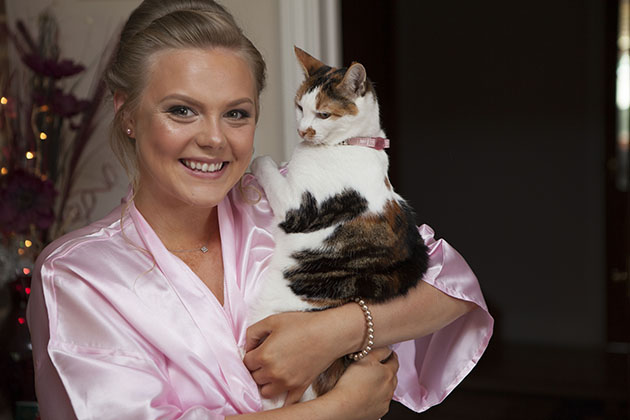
(363, 392)
(286, 352)
(366, 389)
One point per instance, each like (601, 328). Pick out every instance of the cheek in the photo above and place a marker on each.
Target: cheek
(321, 126)
(161, 141)
(243, 147)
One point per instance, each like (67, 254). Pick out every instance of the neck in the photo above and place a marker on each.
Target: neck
(178, 226)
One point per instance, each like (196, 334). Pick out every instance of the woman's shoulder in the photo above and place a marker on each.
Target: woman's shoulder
(84, 283)
(88, 244)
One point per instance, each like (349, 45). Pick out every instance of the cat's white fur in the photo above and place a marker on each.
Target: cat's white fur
(324, 168)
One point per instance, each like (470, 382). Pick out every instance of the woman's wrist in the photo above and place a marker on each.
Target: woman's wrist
(350, 328)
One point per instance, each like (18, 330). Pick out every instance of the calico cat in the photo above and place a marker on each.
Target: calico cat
(341, 231)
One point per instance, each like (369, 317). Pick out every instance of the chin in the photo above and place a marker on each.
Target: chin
(206, 197)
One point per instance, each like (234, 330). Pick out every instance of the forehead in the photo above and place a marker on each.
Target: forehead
(199, 73)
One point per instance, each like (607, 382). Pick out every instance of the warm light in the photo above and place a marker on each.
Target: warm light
(3, 100)
(43, 136)
(27, 290)
(623, 86)
(44, 108)
(21, 320)
(44, 177)
(28, 243)
(21, 251)
(4, 171)
(26, 271)
(30, 155)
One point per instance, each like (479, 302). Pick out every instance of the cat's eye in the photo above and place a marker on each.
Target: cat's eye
(323, 115)
(299, 107)
(181, 111)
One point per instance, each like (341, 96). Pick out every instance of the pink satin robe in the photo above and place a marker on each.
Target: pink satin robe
(118, 334)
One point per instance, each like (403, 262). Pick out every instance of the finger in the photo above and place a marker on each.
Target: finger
(271, 390)
(392, 362)
(252, 360)
(380, 353)
(260, 377)
(385, 360)
(294, 395)
(256, 334)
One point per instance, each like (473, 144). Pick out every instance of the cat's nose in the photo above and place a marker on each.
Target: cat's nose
(306, 134)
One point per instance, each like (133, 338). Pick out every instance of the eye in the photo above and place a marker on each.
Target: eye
(181, 111)
(298, 106)
(323, 115)
(237, 114)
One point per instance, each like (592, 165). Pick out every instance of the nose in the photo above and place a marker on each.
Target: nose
(308, 133)
(211, 134)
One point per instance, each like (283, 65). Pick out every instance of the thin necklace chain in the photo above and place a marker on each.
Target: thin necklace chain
(204, 249)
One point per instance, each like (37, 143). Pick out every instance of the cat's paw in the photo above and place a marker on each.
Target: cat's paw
(261, 163)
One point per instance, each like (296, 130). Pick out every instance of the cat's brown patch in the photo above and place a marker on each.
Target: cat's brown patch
(333, 96)
(326, 303)
(335, 107)
(309, 63)
(373, 255)
(328, 379)
(315, 80)
(309, 132)
(387, 184)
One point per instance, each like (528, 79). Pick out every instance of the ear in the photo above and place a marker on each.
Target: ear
(354, 80)
(119, 100)
(309, 63)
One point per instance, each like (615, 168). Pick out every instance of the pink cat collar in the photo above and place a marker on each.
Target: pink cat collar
(378, 143)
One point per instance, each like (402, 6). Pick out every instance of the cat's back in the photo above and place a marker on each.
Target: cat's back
(326, 171)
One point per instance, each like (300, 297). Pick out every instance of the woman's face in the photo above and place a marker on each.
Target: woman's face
(194, 126)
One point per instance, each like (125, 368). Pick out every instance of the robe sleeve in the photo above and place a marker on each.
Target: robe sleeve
(79, 379)
(432, 366)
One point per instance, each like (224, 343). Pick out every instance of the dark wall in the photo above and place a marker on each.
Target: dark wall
(496, 112)
(500, 145)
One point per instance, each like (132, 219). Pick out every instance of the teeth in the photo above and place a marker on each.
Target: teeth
(203, 167)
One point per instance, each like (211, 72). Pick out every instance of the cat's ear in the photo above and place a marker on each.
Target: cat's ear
(308, 62)
(354, 80)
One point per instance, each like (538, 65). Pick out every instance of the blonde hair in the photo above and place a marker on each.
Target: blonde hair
(158, 25)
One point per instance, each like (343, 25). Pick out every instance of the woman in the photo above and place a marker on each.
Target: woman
(142, 315)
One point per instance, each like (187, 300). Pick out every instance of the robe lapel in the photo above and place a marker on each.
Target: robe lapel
(207, 327)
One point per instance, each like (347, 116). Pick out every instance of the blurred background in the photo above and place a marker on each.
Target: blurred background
(509, 128)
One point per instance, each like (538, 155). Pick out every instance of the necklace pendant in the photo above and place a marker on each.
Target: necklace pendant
(204, 249)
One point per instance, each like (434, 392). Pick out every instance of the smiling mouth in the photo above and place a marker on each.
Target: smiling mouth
(203, 166)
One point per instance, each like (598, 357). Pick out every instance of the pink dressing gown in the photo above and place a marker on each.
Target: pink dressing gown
(122, 333)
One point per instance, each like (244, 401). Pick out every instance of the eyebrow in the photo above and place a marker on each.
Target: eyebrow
(196, 103)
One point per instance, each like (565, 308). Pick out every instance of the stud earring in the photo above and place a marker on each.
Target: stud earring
(129, 132)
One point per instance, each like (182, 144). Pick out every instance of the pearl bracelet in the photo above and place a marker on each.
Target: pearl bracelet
(370, 331)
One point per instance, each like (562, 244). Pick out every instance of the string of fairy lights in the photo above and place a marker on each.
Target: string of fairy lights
(24, 244)
(30, 155)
